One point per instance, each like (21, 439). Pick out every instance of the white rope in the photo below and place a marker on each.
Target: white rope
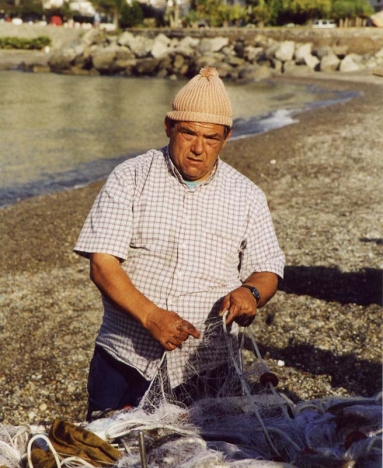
(246, 387)
(9, 451)
(123, 428)
(49, 443)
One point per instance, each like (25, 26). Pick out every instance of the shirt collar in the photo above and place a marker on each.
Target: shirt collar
(175, 173)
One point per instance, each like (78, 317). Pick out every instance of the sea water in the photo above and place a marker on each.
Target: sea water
(59, 131)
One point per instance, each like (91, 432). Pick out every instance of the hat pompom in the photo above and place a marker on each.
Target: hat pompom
(206, 72)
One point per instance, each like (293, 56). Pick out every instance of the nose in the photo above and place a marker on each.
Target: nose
(198, 145)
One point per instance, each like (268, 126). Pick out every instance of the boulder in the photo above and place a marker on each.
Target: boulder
(254, 72)
(329, 63)
(349, 65)
(62, 59)
(302, 52)
(291, 68)
(269, 52)
(379, 54)
(321, 51)
(94, 36)
(103, 59)
(277, 65)
(141, 46)
(146, 67)
(125, 39)
(340, 50)
(252, 53)
(357, 58)
(377, 19)
(312, 62)
(124, 53)
(161, 46)
(225, 70)
(285, 51)
(209, 46)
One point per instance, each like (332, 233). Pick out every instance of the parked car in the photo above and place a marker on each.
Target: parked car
(324, 23)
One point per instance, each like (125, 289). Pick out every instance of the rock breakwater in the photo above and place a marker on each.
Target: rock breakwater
(254, 57)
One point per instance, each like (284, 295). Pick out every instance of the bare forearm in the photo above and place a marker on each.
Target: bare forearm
(167, 327)
(109, 277)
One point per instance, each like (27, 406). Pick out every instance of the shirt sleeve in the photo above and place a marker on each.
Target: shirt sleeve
(261, 251)
(108, 227)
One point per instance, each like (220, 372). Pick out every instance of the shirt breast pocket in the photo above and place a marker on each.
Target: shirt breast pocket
(221, 256)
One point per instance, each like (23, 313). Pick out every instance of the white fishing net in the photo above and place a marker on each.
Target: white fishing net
(217, 419)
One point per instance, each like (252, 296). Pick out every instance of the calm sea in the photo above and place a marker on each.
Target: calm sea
(59, 132)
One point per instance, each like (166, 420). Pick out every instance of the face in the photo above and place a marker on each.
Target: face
(194, 147)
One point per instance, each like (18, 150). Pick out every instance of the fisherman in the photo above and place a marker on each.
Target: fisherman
(176, 238)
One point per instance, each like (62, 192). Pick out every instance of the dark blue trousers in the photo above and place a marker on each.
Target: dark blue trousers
(112, 385)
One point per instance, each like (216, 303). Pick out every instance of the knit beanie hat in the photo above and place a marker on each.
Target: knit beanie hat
(203, 99)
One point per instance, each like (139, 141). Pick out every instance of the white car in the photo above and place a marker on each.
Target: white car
(17, 21)
(324, 23)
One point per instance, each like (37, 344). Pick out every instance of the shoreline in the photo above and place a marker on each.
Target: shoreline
(324, 193)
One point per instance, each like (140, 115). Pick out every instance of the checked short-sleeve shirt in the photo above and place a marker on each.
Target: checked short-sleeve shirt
(184, 249)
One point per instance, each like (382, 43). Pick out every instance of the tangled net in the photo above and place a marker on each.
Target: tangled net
(237, 428)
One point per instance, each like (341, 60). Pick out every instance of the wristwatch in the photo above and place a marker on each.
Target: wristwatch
(254, 291)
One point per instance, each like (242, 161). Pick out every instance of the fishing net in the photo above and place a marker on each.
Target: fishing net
(218, 419)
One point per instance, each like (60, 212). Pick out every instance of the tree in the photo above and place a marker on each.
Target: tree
(110, 8)
(131, 15)
(350, 9)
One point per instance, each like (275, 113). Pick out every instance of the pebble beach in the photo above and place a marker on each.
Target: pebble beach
(322, 332)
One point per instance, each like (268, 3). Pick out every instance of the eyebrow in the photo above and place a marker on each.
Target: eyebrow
(205, 135)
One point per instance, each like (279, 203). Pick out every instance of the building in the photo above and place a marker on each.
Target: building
(83, 8)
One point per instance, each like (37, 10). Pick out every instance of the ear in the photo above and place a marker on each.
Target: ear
(227, 137)
(168, 126)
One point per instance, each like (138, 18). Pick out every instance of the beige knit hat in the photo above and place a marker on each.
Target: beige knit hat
(203, 99)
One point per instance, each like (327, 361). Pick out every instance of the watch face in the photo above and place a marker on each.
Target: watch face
(254, 292)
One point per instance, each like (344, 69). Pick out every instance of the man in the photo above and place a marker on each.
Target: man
(175, 238)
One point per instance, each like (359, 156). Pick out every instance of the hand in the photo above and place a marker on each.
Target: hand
(168, 328)
(241, 305)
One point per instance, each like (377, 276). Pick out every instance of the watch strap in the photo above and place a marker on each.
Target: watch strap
(254, 291)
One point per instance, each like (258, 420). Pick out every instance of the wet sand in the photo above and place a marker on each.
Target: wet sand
(322, 177)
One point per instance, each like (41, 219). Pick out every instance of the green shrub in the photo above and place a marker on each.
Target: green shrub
(23, 43)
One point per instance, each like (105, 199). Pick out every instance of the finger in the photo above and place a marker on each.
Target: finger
(233, 313)
(169, 346)
(189, 329)
(224, 306)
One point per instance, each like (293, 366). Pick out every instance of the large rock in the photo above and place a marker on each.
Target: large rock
(254, 72)
(209, 46)
(94, 36)
(291, 68)
(302, 52)
(349, 65)
(329, 63)
(161, 46)
(321, 51)
(141, 46)
(377, 19)
(186, 47)
(252, 53)
(104, 59)
(146, 67)
(62, 59)
(285, 51)
(269, 52)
